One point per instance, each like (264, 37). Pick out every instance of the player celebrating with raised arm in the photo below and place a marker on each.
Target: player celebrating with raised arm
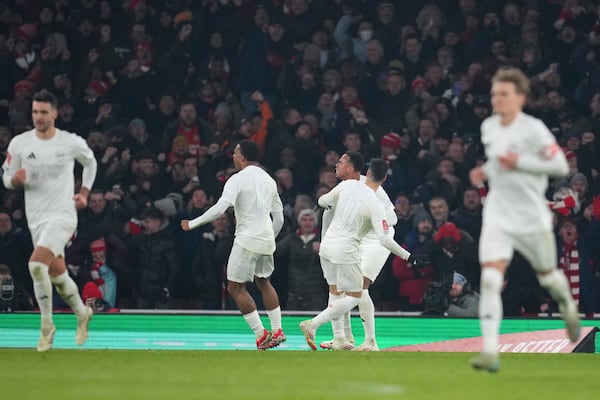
(41, 161)
(522, 153)
(356, 212)
(253, 195)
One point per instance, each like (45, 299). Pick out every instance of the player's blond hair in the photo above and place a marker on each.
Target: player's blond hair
(514, 76)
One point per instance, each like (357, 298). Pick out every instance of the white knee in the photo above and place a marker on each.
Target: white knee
(491, 280)
(37, 270)
(60, 280)
(551, 279)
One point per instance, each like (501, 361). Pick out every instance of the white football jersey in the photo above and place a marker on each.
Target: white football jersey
(516, 201)
(49, 182)
(357, 211)
(253, 194)
(390, 215)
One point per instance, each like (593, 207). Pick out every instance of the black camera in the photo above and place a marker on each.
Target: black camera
(435, 299)
(7, 289)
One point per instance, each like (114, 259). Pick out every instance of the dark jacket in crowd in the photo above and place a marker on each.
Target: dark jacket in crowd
(156, 265)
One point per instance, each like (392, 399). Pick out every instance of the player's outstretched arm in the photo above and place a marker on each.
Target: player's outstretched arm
(210, 215)
(382, 230)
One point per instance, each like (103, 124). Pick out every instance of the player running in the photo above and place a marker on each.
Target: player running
(253, 195)
(522, 153)
(41, 161)
(356, 211)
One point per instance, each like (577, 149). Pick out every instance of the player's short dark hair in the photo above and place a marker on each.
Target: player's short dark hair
(249, 150)
(356, 159)
(46, 96)
(514, 76)
(153, 213)
(97, 191)
(378, 169)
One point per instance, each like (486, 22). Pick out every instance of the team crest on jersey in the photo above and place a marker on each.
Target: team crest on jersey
(60, 155)
(386, 227)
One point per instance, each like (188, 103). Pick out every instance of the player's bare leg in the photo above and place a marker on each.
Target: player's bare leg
(271, 300)
(557, 285)
(42, 288)
(247, 306)
(490, 314)
(67, 289)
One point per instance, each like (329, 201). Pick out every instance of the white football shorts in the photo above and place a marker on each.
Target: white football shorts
(346, 277)
(53, 234)
(539, 248)
(372, 259)
(244, 265)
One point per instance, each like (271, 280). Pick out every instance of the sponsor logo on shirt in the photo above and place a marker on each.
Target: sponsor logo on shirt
(31, 156)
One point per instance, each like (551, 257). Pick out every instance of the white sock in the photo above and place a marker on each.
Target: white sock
(254, 322)
(490, 308)
(366, 308)
(336, 310)
(275, 318)
(338, 328)
(42, 288)
(67, 289)
(334, 297)
(556, 283)
(337, 325)
(347, 325)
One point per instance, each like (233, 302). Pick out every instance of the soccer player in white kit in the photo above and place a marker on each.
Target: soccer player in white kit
(356, 212)
(254, 197)
(522, 153)
(41, 161)
(372, 258)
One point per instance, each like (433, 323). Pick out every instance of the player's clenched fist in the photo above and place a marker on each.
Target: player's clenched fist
(80, 201)
(19, 177)
(185, 224)
(477, 176)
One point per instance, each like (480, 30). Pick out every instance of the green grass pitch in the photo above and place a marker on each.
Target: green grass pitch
(286, 375)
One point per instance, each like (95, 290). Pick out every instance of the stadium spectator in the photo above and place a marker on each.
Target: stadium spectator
(421, 70)
(13, 296)
(155, 261)
(15, 248)
(298, 254)
(463, 301)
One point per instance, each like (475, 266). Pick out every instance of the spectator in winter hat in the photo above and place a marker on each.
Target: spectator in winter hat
(389, 145)
(463, 302)
(579, 184)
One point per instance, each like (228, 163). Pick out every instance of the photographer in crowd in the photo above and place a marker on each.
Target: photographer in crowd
(462, 300)
(13, 296)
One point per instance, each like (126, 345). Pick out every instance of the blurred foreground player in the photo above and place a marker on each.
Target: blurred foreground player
(253, 195)
(522, 153)
(41, 161)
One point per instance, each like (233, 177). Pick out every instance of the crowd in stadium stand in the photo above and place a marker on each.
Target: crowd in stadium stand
(163, 90)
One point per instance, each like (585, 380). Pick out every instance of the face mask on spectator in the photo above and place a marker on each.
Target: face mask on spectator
(366, 35)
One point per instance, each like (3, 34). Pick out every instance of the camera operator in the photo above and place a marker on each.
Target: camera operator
(462, 301)
(13, 296)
